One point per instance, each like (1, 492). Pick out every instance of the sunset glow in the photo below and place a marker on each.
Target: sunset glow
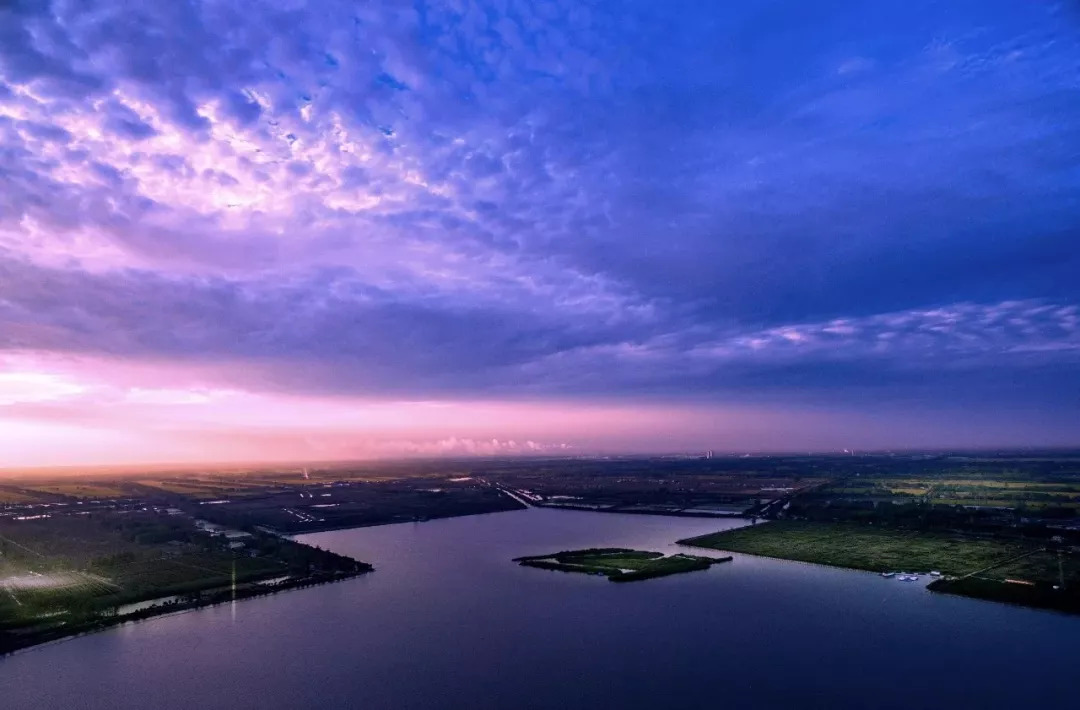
(366, 231)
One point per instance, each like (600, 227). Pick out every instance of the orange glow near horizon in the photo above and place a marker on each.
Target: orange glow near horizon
(74, 412)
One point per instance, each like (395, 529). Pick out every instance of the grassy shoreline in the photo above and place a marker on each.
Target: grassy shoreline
(1014, 571)
(863, 547)
(63, 575)
(1034, 596)
(10, 645)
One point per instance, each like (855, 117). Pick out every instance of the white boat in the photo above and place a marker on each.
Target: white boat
(935, 574)
(888, 574)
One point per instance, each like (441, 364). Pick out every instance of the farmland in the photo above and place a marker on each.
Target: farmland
(14, 495)
(285, 501)
(85, 490)
(992, 491)
(325, 506)
(664, 485)
(1019, 571)
(950, 512)
(1031, 487)
(864, 547)
(955, 489)
(74, 572)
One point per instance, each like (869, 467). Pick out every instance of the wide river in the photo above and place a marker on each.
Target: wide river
(447, 621)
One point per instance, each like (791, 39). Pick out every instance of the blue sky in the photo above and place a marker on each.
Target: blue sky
(842, 211)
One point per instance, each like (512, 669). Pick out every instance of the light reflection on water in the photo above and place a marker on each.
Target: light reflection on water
(447, 621)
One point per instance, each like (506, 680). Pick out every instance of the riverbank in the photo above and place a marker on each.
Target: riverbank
(447, 596)
(643, 510)
(1013, 571)
(69, 574)
(1018, 592)
(863, 547)
(14, 641)
(332, 527)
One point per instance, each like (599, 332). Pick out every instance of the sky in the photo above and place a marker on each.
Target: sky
(328, 230)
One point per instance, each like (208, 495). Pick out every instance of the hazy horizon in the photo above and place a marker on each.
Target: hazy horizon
(371, 232)
(241, 466)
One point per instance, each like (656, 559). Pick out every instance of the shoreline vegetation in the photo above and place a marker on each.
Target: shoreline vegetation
(70, 575)
(12, 644)
(83, 553)
(1024, 572)
(620, 564)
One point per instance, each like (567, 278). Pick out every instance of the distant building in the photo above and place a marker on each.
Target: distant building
(208, 527)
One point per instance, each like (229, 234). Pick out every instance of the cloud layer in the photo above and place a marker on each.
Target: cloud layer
(498, 200)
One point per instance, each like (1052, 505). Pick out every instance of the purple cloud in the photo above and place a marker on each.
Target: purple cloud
(518, 199)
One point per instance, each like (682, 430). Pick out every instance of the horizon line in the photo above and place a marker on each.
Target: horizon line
(188, 466)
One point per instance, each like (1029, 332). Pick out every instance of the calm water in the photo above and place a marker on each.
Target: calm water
(448, 622)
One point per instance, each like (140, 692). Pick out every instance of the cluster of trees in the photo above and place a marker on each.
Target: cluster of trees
(303, 559)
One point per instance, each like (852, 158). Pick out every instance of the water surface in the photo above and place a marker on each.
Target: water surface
(447, 621)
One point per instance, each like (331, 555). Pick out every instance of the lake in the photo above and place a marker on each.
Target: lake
(448, 621)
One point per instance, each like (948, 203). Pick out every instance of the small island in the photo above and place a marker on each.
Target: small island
(620, 564)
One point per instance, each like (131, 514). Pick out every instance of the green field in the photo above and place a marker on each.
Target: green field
(65, 573)
(10, 495)
(865, 547)
(89, 564)
(620, 564)
(85, 490)
(991, 490)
